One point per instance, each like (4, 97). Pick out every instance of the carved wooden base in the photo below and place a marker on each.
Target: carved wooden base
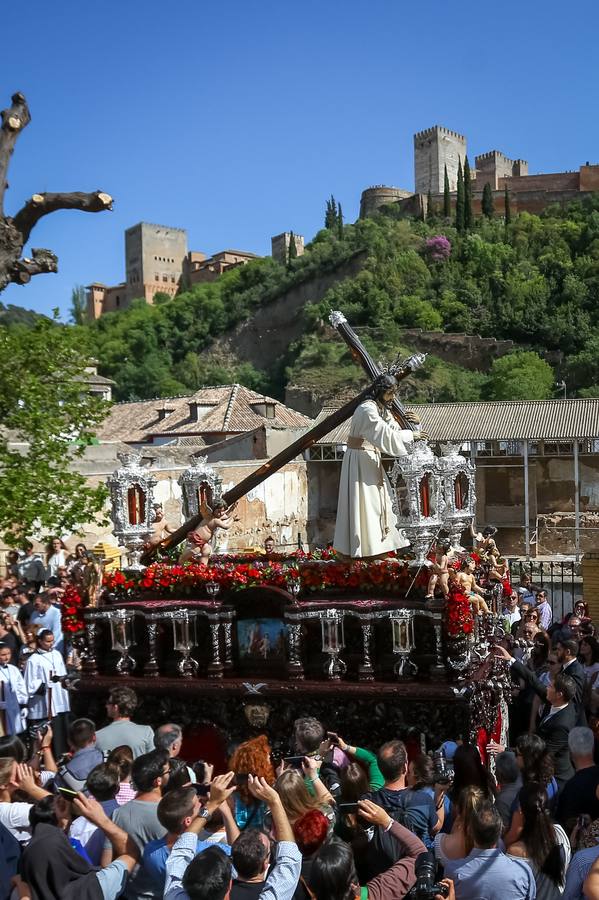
(368, 712)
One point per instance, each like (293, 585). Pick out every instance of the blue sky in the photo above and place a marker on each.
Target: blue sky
(237, 120)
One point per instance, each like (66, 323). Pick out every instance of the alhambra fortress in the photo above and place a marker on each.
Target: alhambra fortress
(157, 259)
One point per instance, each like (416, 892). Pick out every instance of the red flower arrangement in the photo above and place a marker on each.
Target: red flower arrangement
(459, 616)
(390, 574)
(72, 610)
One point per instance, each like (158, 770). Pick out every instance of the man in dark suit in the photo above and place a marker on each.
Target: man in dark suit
(567, 651)
(558, 716)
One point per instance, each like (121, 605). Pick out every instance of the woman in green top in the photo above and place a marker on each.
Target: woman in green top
(365, 758)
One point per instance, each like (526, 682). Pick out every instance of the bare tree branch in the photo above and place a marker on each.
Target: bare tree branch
(15, 231)
(42, 261)
(41, 204)
(14, 120)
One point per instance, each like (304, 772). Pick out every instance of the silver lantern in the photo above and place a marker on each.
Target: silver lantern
(199, 484)
(458, 487)
(131, 495)
(417, 500)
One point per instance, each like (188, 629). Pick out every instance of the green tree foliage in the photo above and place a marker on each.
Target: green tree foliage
(45, 407)
(468, 217)
(446, 195)
(340, 222)
(430, 212)
(536, 283)
(522, 375)
(78, 310)
(460, 209)
(488, 204)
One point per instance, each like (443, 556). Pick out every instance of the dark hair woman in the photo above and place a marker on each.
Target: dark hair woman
(469, 772)
(536, 766)
(543, 845)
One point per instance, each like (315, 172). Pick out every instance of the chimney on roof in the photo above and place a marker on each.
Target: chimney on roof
(164, 411)
(194, 410)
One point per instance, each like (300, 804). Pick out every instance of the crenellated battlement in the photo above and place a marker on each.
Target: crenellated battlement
(438, 129)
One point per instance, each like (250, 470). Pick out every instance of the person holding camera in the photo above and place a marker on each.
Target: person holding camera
(13, 695)
(333, 874)
(49, 703)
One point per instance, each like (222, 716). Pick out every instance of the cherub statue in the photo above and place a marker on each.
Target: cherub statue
(199, 541)
(160, 528)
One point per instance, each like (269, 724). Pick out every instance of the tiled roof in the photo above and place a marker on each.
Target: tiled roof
(549, 420)
(231, 410)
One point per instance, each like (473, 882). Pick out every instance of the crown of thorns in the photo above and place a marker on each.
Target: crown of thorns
(393, 368)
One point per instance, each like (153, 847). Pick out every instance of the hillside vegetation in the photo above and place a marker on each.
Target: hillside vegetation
(535, 281)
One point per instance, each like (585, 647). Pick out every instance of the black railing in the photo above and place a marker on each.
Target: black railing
(561, 579)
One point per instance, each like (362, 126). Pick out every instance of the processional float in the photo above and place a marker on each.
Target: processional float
(432, 495)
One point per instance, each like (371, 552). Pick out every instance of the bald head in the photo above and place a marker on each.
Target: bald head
(169, 737)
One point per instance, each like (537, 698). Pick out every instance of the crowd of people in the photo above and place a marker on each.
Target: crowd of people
(110, 809)
(121, 814)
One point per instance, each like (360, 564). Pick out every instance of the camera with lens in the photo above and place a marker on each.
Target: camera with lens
(427, 887)
(38, 732)
(443, 772)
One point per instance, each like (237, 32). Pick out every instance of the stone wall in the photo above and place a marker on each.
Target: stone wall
(468, 350)
(556, 181)
(533, 201)
(266, 336)
(590, 579)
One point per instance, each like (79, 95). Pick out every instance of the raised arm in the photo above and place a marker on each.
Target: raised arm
(124, 847)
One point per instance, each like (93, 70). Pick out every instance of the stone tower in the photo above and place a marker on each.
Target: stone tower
(434, 149)
(154, 257)
(280, 246)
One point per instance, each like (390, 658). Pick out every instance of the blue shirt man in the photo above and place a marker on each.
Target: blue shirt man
(47, 616)
(487, 873)
(156, 854)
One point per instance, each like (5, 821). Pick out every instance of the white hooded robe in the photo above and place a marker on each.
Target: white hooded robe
(366, 524)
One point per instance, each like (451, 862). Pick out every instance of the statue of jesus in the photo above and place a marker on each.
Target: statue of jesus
(366, 526)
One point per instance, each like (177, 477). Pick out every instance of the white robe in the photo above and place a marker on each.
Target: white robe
(13, 695)
(39, 668)
(366, 524)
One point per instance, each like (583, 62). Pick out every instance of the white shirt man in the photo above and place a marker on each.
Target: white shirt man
(510, 610)
(13, 694)
(48, 616)
(47, 698)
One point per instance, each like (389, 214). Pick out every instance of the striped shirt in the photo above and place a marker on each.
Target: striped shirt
(579, 868)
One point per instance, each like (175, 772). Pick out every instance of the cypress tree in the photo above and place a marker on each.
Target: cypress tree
(446, 195)
(508, 209)
(488, 206)
(459, 204)
(331, 216)
(339, 222)
(430, 212)
(468, 219)
(292, 252)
